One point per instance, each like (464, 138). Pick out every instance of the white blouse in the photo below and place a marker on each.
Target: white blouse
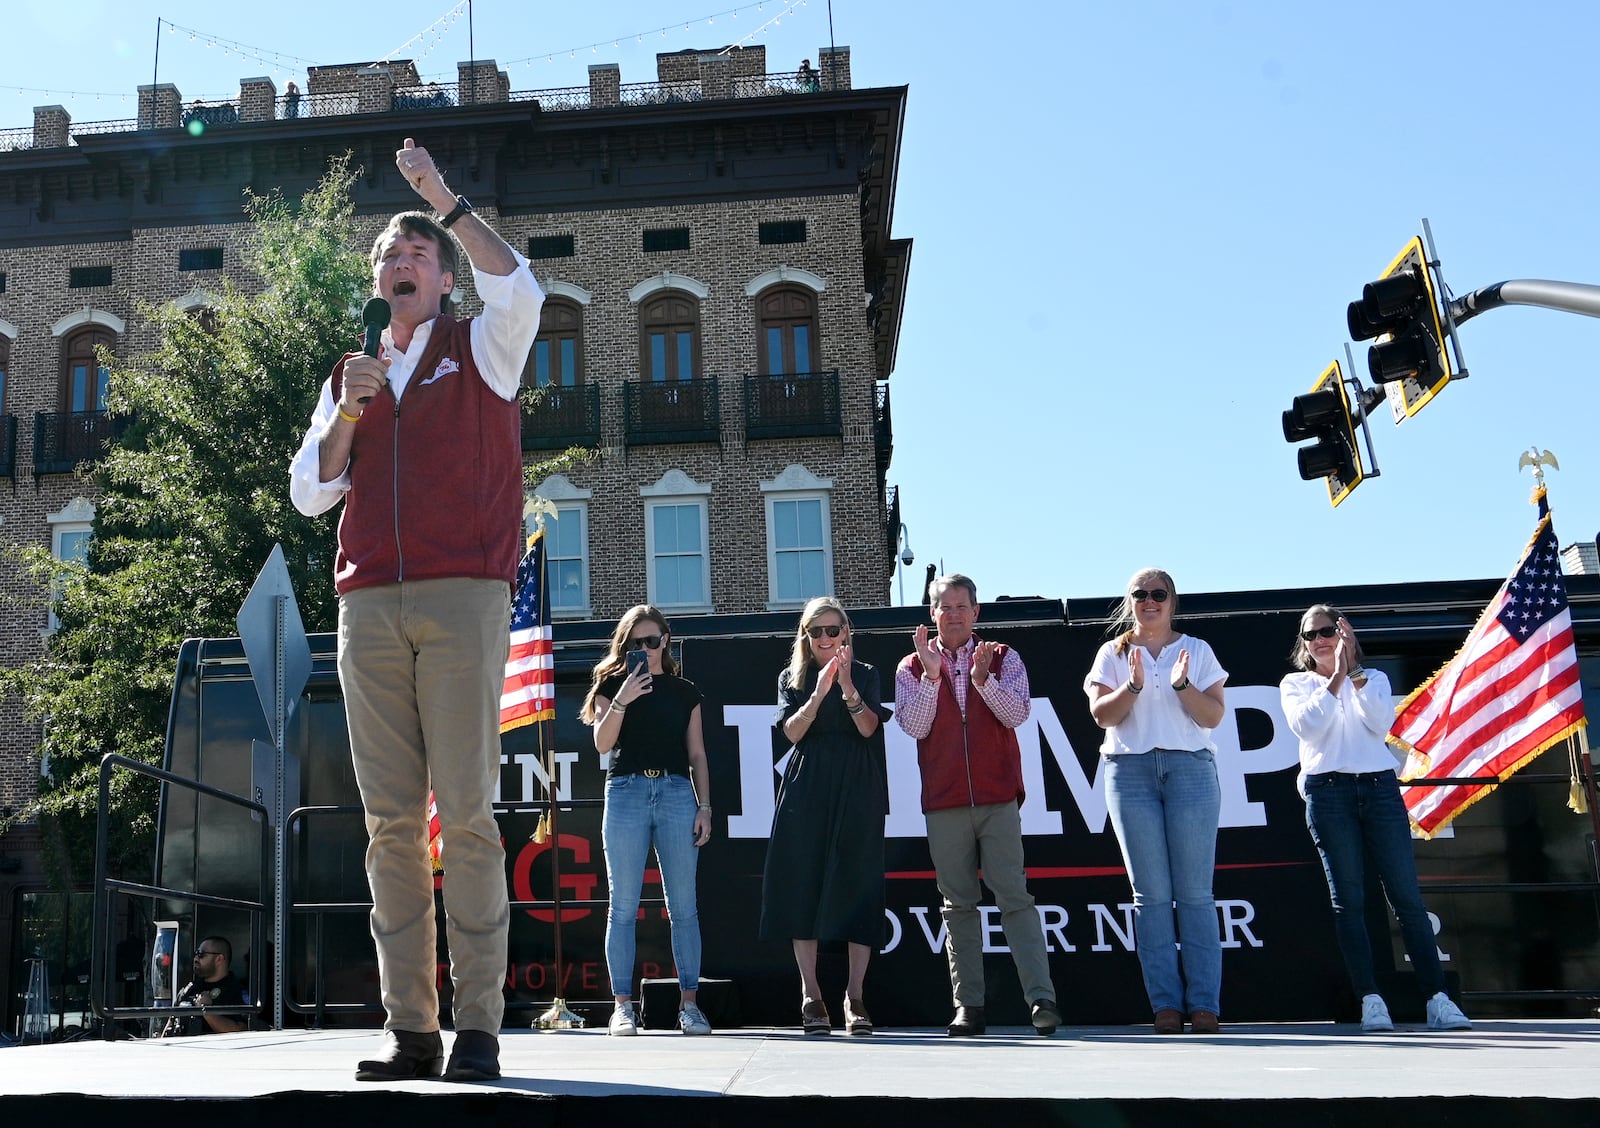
(1343, 732)
(1158, 719)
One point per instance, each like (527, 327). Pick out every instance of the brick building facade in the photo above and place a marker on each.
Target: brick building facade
(724, 301)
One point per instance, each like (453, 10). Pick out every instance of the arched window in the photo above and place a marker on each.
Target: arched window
(557, 354)
(669, 337)
(787, 317)
(84, 380)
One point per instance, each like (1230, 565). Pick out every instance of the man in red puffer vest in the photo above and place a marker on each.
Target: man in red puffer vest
(961, 700)
(423, 445)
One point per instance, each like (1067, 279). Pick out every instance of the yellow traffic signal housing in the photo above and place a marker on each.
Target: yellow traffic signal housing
(1325, 414)
(1402, 309)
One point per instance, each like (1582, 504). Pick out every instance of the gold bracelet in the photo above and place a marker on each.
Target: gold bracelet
(345, 415)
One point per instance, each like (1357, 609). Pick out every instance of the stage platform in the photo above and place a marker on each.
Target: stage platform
(1522, 1073)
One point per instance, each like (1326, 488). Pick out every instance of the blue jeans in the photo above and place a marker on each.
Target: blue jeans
(1165, 805)
(1357, 817)
(640, 813)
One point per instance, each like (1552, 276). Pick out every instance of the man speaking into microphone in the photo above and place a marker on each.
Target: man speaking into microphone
(420, 435)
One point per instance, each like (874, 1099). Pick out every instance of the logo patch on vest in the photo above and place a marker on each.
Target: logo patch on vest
(446, 367)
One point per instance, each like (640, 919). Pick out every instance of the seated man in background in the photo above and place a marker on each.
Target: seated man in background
(213, 985)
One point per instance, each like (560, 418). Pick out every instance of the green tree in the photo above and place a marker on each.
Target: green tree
(192, 498)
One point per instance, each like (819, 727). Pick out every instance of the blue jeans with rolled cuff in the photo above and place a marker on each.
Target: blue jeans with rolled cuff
(1165, 805)
(642, 813)
(1354, 818)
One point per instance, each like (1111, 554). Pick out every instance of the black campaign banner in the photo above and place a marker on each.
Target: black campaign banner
(1279, 958)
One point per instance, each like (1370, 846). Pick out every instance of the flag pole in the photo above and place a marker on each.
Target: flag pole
(558, 1016)
(1579, 740)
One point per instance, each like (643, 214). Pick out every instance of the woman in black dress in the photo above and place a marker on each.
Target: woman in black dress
(824, 873)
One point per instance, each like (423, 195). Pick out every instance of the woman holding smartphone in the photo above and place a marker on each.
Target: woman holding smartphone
(1342, 712)
(823, 880)
(658, 795)
(1158, 694)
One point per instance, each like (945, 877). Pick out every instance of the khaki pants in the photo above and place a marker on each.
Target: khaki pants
(961, 841)
(422, 665)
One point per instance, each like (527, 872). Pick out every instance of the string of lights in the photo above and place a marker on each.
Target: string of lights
(434, 29)
(787, 7)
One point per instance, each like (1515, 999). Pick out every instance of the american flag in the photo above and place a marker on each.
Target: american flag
(530, 690)
(1510, 693)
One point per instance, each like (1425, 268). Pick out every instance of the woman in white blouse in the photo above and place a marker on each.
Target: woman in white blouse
(1341, 712)
(1158, 694)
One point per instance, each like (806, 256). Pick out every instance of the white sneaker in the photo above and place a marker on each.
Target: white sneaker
(1445, 1015)
(1375, 1015)
(623, 1024)
(691, 1020)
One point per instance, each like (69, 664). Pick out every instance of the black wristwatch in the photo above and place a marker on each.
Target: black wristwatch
(463, 206)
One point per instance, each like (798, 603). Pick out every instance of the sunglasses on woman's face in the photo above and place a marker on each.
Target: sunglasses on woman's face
(652, 641)
(1157, 595)
(1319, 632)
(818, 632)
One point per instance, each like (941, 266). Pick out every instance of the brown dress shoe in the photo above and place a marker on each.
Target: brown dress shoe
(1169, 1021)
(406, 1056)
(968, 1023)
(474, 1057)
(1204, 1022)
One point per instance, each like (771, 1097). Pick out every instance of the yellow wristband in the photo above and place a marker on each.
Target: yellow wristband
(345, 415)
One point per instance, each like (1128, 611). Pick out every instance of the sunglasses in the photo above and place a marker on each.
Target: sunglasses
(652, 641)
(199, 952)
(1319, 632)
(818, 632)
(1139, 595)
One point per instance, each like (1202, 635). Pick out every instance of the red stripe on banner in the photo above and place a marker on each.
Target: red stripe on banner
(1442, 704)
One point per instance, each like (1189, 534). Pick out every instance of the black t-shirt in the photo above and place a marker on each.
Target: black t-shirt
(225, 992)
(655, 725)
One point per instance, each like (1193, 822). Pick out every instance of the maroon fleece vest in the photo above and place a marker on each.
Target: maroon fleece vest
(435, 478)
(968, 764)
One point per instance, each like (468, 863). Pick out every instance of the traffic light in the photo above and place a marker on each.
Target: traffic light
(1401, 309)
(1325, 414)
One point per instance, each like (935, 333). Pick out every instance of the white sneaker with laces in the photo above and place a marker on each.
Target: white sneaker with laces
(1375, 1015)
(691, 1020)
(1443, 1014)
(623, 1024)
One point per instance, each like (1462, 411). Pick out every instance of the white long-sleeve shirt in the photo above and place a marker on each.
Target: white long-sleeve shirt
(1343, 732)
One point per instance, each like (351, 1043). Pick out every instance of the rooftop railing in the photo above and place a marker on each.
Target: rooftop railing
(443, 95)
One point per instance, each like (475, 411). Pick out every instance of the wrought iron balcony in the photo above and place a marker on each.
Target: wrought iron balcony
(671, 411)
(891, 525)
(795, 406)
(563, 417)
(8, 446)
(882, 427)
(64, 439)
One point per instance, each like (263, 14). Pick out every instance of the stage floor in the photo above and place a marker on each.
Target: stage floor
(1557, 1060)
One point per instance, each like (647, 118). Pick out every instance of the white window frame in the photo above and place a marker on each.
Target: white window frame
(797, 483)
(569, 501)
(77, 516)
(677, 488)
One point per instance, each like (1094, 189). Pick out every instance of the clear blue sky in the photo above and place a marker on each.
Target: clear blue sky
(1137, 227)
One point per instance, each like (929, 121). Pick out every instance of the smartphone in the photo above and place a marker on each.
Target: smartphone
(637, 660)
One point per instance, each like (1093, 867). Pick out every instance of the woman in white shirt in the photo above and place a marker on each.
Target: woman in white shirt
(1341, 712)
(1158, 695)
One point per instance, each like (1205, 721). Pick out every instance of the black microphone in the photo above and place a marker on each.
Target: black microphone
(375, 316)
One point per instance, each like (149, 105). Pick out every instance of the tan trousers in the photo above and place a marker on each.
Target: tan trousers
(962, 841)
(422, 665)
